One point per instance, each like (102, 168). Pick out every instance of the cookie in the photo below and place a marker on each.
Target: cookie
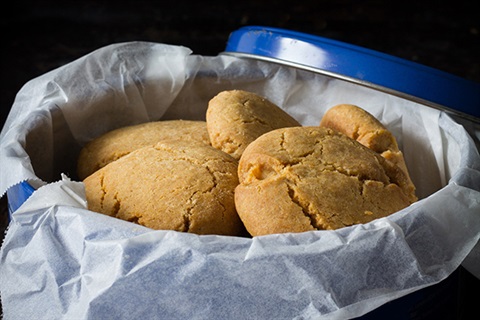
(236, 118)
(120, 142)
(177, 185)
(360, 125)
(312, 178)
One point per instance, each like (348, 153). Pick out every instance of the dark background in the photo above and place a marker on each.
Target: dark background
(38, 36)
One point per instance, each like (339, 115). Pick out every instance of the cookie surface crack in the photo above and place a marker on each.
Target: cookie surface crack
(294, 197)
(103, 189)
(116, 205)
(187, 216)
(283, 142)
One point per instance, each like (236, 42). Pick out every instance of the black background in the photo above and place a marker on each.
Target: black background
(38, 36)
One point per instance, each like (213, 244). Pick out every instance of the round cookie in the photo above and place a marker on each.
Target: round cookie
(236, 118)
(175, 185)
(360, 125)
(120, 142)
(311, 178)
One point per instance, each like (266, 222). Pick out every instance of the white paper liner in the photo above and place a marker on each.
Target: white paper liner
(59, 260)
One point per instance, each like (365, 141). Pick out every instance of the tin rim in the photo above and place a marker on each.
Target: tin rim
(356, 81)
(400, 77)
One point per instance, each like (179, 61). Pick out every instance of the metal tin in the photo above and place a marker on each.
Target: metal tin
(412, 81)
(366, 67)
(352, 63)
(18, 194)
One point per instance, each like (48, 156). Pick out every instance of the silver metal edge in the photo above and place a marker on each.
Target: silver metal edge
(356, 81)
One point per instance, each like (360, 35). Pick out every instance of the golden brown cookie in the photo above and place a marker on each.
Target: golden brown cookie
(312, 178)
(120, 142)
(175, 185)
(236, 118)
(360, 125)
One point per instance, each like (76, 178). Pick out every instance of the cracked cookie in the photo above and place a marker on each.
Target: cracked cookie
(120, 142)
(362, 126)
(175, 185)
(235, 118)
(312, 178)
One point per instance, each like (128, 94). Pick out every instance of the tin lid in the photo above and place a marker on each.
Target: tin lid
(359, 65)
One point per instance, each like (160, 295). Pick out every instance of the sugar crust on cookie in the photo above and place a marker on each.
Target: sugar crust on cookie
(362, 126)
(311, 178)
(174, 185)
(235, 118)
(120, 142)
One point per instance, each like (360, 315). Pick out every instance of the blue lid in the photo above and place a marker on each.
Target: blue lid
(358, 64)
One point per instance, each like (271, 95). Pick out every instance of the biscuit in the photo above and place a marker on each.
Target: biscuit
(360, 125)
(312, 178)
(177, 185)
(236, 118)
(120, 142)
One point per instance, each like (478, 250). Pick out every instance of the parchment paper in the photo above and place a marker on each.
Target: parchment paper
(59, 260)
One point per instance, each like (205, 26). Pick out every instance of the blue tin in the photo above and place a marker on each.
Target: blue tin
(386, 73)
(364, 67)
(359, 65)
(18, 194)
(345, 61)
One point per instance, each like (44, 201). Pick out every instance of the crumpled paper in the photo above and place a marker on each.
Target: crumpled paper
(59, 260)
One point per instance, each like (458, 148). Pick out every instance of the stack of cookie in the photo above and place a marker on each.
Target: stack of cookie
(249, 167)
